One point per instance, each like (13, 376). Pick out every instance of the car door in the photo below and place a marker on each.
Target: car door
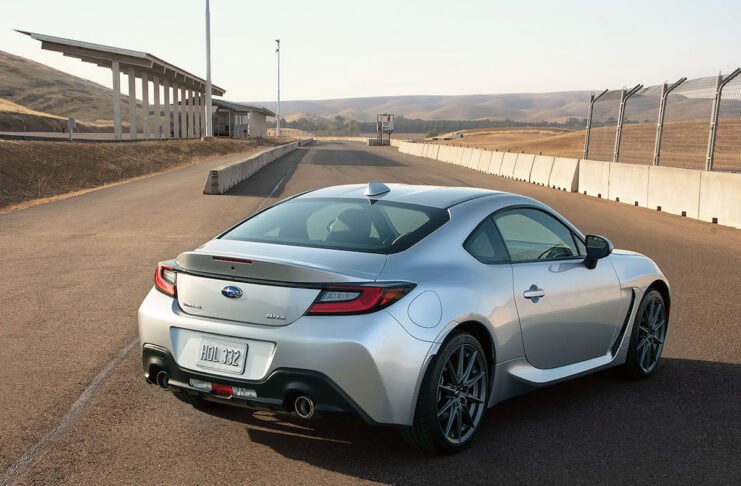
(568, 313)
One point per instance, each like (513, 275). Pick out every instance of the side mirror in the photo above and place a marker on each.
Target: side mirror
(597, 247)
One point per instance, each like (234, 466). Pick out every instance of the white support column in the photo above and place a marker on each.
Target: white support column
(187, 124)
(116, 100)
(132, 104)
(168, 109)
(191, 114)
(196, 118)
(199, 115)
(176, 111)
(157, 108)
(145, 105)
(183, 114)
(203, 114)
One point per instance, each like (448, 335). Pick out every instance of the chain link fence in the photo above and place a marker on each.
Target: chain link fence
(604, 117)
(686, 135)
(728, 141)
(639, 130)
(685, 139)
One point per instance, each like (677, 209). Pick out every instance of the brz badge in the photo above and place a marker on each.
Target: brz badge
(231, 292)
(276, 316)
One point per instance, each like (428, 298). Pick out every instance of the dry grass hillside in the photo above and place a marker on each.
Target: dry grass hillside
(33, 170)
(525, 107)
(44, 89)
(17, 118)
(548, 141)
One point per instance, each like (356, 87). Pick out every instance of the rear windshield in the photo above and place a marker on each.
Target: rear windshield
(342, 224)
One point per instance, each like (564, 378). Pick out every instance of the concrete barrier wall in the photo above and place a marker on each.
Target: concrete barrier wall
(475, 159)
(594, 178)
(466, 160)
(508, 164)
(542, 166)
(675, 191)
(406, 147)
(343, 139)
(223, 178)
(495, 164)
(523, 167)
(564, 174)
(442, 153)
(455, 155)
(720, 198)
(435, 151)
(708, 196)
(629, 184)
(484, 161)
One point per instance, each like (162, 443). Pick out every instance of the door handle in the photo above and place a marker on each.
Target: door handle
(534, 293)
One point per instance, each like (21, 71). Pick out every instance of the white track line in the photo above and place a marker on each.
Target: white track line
(33, 455)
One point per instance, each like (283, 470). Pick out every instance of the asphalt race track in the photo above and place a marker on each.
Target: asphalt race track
(74, 406)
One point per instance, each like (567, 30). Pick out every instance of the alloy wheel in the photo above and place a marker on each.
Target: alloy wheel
(651, 335)
(461, 394)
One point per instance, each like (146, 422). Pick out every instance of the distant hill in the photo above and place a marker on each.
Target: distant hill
(521, 107)
(44, 89)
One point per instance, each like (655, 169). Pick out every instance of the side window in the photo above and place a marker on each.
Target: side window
(485, 244)
(530, 234)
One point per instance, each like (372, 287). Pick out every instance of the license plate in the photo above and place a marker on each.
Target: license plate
(222, 355)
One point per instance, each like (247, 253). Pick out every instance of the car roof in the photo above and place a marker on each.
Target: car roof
(432, 196)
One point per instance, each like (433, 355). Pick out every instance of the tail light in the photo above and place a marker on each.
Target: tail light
(345, 300)
(165, 279)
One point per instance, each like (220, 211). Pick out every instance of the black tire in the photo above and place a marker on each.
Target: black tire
(647, 337)
(453, 397)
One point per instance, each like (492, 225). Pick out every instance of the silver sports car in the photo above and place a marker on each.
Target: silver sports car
(412, 306)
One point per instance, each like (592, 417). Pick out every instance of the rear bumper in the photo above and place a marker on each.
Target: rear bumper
(364, 365)
(277, 392)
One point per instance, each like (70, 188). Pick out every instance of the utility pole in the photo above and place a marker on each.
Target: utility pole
(277, 125)
(209, 114)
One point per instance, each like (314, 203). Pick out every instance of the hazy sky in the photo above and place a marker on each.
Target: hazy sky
(339, 49)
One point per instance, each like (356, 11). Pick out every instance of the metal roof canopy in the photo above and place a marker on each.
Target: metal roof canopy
(241, 108)
(104, 56)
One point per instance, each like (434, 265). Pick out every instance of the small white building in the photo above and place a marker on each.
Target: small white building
(236, 120)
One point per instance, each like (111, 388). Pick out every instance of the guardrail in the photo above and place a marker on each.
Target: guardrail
(708, 196)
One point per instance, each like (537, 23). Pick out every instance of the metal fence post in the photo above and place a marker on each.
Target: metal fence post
(624, 95)
(665, 90)
(592, 101)
(719, 85)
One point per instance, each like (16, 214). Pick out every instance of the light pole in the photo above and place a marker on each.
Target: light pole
(277, 125)
(209, 120)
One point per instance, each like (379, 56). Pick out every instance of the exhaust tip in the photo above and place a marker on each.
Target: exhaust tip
(304, 407)
(163, 380)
